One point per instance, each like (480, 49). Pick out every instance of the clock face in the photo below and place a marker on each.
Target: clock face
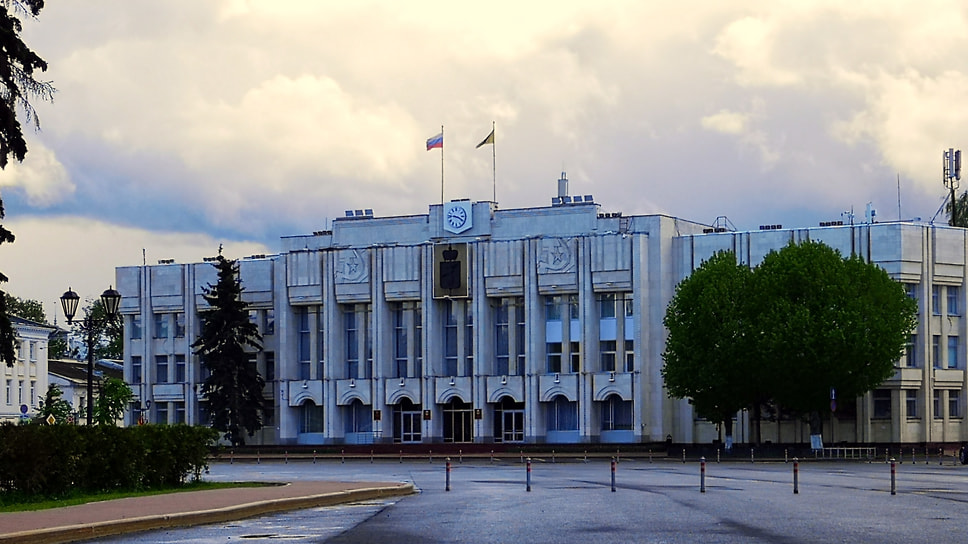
(456, 217)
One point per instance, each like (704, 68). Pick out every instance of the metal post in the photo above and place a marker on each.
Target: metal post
(492, 456)
(893, 478)
(447, 488)
(258, 457)
(232, 457)
(371, 457)
(613, 475)
(926, 456)
(529, 474)
(796, 475)
(553, 461)
(718, 451)
(342, 456)
(751, 455)
(460, 457)
(940, 456)
(286, 454)
(683, 456)
(702, 474)
(650, 455)
(401, 457)
(314, 457)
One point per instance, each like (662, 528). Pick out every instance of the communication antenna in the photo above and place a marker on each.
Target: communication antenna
(951, 176)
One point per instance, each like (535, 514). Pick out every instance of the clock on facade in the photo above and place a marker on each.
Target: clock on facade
(457, 216)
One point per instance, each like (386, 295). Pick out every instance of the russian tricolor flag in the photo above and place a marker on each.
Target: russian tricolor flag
(435, 142)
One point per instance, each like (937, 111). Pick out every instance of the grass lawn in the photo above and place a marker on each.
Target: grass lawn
(12, 504)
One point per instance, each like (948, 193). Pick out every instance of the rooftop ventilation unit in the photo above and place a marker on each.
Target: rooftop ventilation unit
(166, 261)
(831, 223)
(771, 227)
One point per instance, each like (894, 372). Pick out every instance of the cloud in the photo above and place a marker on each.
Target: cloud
(41, 176)
(727, 122)
(51, 254)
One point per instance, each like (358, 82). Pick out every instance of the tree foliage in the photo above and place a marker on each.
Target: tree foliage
(957, 209)
(26, 308)
(706, 351)
(109, 332)
(112, 401)
(17, 85)
(805, 323)
(54, 404)
(233, 388)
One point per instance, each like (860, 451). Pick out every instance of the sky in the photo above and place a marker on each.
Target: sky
(181, 125)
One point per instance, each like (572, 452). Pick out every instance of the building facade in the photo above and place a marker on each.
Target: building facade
(25, 382)
(537, 325)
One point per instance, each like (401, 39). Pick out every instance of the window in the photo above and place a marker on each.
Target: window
(311, 420)
(180, 369)
(32, 349)
(399, 341)
(179, 412)
(359, 345)
(450, 339)
(606, 303)
(502, 337)
(911, 351)
(161, 325)
(305, 355)
(616, 414)
(136, 326)
(161, 413)
(952, 352)
(562, 414)
(270, 322)
(573, 312)
(320, 338)
(418, 341)
(554, 356)
(359, 418)
(161, 369)
(270, 373)
(954, 403)
(629, 304)
(519, 338)
(882, 403)
(9, 392)
(468, 340)
(953, 296)
(509, 421)
(936, 350)
(607, 352)
(552, 308)
(180, 325)
(936, 299)
(938, 403)
(574, 355)
(136, 371)
(629, 355)
(911, 403)
(33, 392)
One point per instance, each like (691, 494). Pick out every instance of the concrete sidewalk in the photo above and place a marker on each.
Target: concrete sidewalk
(104, 518)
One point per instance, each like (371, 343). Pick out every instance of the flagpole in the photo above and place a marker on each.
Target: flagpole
(441, 166)
(494, 162)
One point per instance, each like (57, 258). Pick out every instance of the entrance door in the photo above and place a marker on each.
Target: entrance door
(406, 422)
(509, 421)
(457, 421)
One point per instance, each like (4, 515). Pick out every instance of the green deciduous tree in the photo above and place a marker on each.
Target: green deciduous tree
(806, 323)
(26, 308)
(706, 353)
(112, 401)
(233, 388)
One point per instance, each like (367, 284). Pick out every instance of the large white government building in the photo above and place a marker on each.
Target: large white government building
(474, 324)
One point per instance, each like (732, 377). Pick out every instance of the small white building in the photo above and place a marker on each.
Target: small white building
(25, 382)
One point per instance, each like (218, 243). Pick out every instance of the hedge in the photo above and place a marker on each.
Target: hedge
(57, 460)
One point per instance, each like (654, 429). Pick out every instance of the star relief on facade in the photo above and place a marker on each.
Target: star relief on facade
(352, 266)
(557, 255)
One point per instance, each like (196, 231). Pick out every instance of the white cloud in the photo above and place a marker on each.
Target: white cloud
(727, 122)
(41, 176)
(51, 254)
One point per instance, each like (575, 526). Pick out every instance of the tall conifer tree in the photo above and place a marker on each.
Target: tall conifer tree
(233, 388)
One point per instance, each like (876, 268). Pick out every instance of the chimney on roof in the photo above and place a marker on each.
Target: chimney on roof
(563, 186)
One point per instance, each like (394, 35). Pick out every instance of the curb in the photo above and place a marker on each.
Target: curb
(73, 533)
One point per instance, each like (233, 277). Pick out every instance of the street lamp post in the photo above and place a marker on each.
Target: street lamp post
(111, 300)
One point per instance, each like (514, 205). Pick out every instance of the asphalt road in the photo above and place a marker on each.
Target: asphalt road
(572, 502)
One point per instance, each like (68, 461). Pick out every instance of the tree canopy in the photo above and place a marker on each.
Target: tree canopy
(804, 324)
(112, 401)
(233, 388)
(17, 85)
(26, 308)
